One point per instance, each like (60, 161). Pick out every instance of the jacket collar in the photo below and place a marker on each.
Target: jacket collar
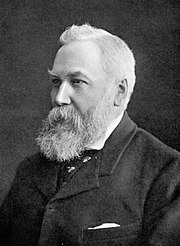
(116, 145)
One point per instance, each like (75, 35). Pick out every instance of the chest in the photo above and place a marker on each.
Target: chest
(70, 218)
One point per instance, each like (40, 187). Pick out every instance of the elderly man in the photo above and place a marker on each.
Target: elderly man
(98, 178)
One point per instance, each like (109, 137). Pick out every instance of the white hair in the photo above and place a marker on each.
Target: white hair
(117, 59)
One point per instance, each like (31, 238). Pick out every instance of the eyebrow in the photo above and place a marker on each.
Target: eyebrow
(52, 74)
(72, 74)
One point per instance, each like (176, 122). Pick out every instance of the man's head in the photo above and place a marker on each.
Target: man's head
(92, 80)
(117, 59)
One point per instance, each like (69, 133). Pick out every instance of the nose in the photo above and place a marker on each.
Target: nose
(63, 95)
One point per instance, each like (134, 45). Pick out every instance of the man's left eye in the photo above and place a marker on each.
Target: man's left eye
(77, 81)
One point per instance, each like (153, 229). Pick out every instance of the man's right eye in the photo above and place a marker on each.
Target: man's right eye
(56, 81)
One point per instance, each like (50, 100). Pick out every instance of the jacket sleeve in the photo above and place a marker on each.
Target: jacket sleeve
(161, 223)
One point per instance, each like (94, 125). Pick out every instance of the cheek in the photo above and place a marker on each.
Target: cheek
(88, 103)
(83, 104)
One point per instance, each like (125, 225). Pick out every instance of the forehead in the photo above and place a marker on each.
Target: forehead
(80, 55)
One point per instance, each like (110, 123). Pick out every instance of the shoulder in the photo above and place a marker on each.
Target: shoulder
(34, 165)
(153, 146)
(35, 173)
(34, 161)
(140, 142)
(153, 156)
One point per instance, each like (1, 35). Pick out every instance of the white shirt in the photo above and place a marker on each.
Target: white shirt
(99, 144)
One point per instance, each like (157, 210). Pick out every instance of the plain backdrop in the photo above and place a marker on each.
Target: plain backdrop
(29, 32)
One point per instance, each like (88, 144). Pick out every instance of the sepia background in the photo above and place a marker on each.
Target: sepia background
(29, 32)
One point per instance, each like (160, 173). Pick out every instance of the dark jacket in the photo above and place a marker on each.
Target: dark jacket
(134, 181)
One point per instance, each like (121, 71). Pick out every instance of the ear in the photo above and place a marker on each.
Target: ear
(121, 92)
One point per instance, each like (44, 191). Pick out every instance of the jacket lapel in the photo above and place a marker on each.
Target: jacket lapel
(85, 178)
(103, 163)
(117, 144)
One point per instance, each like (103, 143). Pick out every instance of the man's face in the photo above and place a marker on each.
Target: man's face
(78, 78)
(82, 102)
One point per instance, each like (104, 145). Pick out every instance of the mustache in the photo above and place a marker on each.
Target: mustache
(65, 114)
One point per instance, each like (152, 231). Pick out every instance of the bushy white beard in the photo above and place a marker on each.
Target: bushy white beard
(66, 133)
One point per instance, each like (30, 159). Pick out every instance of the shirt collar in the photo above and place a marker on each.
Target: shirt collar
(99, 144)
